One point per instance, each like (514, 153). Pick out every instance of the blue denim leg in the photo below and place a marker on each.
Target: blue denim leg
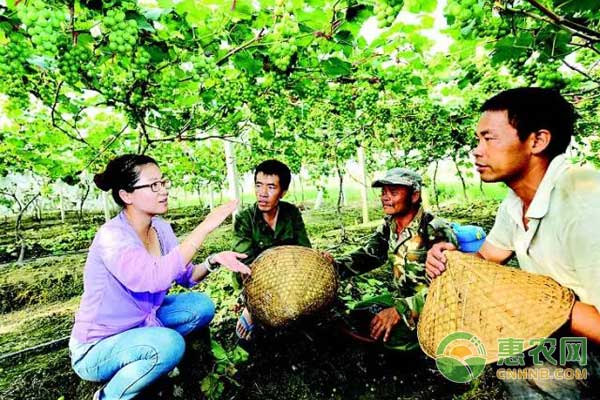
(186, 312)
(131, 360)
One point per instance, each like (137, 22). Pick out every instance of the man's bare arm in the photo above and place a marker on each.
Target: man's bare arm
(585, 321)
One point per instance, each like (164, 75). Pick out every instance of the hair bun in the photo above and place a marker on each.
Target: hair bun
(101, 182)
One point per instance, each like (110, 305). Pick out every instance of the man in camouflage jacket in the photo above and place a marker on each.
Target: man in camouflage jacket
(402, 241)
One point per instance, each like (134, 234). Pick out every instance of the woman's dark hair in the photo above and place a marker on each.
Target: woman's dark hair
(274, 167)
(530, 109)
(122, 173)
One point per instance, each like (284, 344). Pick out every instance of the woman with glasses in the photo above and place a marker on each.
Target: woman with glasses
(128, 330)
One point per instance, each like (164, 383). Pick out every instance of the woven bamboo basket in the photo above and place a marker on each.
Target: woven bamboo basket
(289, 282)
(491, 302)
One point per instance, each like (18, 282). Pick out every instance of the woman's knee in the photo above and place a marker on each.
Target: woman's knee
(168, 345)
(204, 308)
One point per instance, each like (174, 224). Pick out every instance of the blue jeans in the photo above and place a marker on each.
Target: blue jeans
(131, 360)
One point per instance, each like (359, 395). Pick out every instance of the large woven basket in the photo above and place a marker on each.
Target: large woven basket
(289, 282)
(491, 302)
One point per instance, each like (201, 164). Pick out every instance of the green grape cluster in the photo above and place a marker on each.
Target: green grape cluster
(550, 78)
(167, 83)
(136, 97)
(141, 61)
(386, 11)
(108, 91)
(541, 74)
(42, 25)
(202, 65)
(475, 18)
(248, 91)
(123, 33)
(232, 94)
(284, 46)
(366, 100)
(587, 57)
(274, 82)
(74, 62)
(15, 54)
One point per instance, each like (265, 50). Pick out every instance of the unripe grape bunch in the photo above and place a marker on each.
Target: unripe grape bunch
(141, 61)
(386, 11)
(15, 54)
(42, 24)
(285, 30)
(475, 18)
(123, 32)
(74, 62)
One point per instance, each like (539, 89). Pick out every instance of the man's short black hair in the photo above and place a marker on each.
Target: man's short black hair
(531, 109)
(275, 167)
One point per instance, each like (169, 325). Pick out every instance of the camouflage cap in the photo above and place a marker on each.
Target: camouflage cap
(400, 176)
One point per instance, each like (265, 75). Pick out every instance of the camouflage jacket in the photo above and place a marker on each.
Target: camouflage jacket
(405, 253)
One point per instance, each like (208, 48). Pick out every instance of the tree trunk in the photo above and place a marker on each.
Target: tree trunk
(340, 201)
(19, 236)
(105, 206)
(295, 189)
(364, 191)
(301, 187)
(232, 173)
(436, 197)
(319, 199)
(462, 179)
(343, 236)
(61, 205)
(37, 211)
(211, 197)
(82, 201)
(200, 200)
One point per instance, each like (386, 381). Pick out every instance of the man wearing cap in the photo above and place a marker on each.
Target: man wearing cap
(403, 239)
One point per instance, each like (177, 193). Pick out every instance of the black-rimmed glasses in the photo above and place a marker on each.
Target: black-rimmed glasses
(155, 186)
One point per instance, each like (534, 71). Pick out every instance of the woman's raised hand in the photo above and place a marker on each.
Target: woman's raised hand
(217, 216)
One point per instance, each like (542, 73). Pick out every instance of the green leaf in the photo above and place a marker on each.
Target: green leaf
(239, 355)
(243, 9)
(427, 21)
(335, 67)
(576, 5)
(195, 13)
(218, 351)
(144, 25)
(420, 42)
(417, 6)
(511, 48)
(44, 62)
(84, 39)
(315, 19)
(154, 14)
(246, 61)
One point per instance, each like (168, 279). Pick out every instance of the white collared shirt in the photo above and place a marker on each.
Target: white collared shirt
(562, 239)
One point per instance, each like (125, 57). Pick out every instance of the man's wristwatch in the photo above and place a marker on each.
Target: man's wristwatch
(211, 264)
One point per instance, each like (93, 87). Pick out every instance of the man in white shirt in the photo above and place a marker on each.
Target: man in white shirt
(551, 217)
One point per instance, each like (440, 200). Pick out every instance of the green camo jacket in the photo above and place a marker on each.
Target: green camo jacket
(406, 254)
